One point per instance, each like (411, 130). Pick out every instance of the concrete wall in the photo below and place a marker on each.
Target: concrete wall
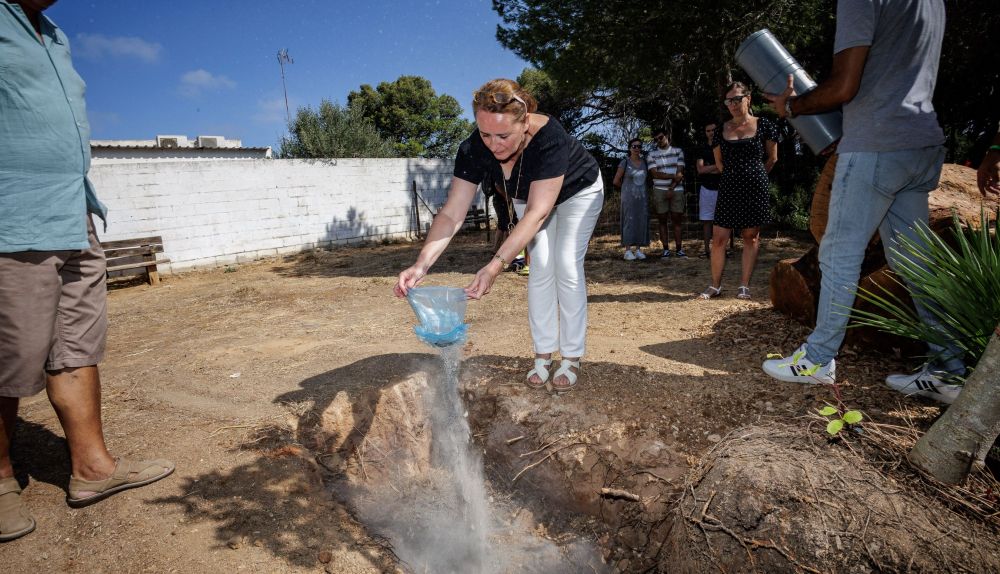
(213, 213)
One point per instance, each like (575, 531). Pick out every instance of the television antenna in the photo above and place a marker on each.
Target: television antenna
(283, 57)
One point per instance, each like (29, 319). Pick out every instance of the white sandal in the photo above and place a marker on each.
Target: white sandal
(711, 292)
(565, 370)
(542, 370)
(743, 292)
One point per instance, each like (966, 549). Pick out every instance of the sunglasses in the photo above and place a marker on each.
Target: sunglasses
(501, 98)
(734, 100)
(635, 146)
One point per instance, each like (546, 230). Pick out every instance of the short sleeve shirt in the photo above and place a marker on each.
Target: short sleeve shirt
(44, 140)
(552, 152)
(892, 110)
(669, 161)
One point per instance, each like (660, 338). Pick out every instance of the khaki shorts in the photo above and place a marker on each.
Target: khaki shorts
(664, 205)
(53, 314)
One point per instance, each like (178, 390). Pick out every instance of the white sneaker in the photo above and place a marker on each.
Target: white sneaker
(798, 369)
(629, 256)
(639, 254)
(925, 383)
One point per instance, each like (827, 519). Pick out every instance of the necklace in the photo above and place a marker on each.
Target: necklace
(517, 186)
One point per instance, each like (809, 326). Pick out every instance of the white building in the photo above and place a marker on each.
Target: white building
(173, 148)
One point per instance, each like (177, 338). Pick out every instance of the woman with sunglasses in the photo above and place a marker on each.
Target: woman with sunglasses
(746, 148)
(556, 190)
(631, 179)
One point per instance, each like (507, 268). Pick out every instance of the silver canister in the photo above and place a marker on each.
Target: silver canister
(769, 64)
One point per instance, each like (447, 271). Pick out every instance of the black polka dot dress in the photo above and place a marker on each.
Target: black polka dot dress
(744, 200)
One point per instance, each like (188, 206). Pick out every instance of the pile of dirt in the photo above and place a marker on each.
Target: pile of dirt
(776, 498)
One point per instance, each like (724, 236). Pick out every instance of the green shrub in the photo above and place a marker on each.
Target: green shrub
(959, 285)
(791, 209)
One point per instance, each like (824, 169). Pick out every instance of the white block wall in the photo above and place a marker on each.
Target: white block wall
(213, 213)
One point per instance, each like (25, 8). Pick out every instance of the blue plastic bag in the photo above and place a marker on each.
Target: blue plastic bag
(441, 312)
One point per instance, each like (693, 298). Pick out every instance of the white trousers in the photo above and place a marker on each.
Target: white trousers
(557, 289)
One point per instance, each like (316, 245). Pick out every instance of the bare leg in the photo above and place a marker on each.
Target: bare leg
(706, 231)
(8, 416)
(75, 395)
(675, 218)
(664, 219)
(751, 246)
(720, 235)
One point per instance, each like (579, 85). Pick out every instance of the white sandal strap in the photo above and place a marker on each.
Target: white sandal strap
(564, 369)
(541, 369)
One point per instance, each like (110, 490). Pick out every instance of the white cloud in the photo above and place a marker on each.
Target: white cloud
(270, 111)
(99, 46)
(102, 122)
(195, 82)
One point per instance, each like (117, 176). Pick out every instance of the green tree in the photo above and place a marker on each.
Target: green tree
(660, 61)
(968, 89)
(410, 114)
(667, 63)
(555, 98)
(333, 131)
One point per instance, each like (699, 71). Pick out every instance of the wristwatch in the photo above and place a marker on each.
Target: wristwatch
(788, 107)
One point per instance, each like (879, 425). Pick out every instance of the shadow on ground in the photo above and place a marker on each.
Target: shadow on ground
(278, 500)
(469, 251)
(39, 454)
(466, 254)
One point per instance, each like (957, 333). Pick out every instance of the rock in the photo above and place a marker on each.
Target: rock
(325, 556)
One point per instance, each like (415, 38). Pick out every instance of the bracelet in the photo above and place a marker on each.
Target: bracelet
(503, 264)
(994, 148)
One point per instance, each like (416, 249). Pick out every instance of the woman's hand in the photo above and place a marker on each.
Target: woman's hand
(484, 279)
(410, 277)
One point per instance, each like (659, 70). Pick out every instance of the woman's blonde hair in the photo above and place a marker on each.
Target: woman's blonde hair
(482, 99)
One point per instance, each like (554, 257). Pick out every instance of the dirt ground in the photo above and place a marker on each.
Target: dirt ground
(219, 370)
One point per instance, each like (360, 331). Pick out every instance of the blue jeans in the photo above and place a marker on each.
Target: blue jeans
(884, 191)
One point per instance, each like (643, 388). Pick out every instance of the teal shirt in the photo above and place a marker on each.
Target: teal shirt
(44, 140)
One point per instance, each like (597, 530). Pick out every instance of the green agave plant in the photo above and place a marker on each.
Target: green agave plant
(959, 285)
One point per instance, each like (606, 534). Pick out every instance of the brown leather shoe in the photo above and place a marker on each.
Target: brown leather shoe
(128, 474)
(15, 521)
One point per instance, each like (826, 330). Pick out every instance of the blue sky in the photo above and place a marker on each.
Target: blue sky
(209, 67)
